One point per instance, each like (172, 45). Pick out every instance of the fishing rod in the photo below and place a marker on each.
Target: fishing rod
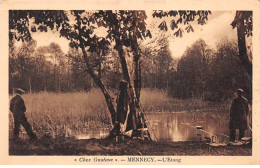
(201, 129)
(145, 121)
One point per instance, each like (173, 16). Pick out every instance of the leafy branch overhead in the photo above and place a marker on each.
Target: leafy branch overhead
(181, 17)
(245, 19)
(23, 22)
(124, 26)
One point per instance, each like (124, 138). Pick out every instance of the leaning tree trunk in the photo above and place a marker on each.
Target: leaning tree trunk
(100, 84)
(138, 85)
(96, 79)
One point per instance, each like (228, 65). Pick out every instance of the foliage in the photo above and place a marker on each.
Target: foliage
(19, 22)
(182, 17)
(247, 19)
(158, 63)
(212, 75)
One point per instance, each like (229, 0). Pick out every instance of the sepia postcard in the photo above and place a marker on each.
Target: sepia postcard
(151, 82)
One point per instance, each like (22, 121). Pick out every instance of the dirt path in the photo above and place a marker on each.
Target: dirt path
(128, 147)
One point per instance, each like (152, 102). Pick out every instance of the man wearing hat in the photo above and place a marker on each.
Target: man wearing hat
(238, 115)
(17, 107)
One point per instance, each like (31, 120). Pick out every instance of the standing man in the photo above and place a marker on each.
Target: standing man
(238, 115)
(17, 107)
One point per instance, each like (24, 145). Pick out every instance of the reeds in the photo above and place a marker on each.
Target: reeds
(62, 114)
(159, 101)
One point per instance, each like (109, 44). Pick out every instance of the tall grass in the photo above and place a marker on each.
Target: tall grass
(159, 101)
(59, 114)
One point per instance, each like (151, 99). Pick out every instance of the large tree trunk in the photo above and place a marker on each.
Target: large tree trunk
(241, 33)
(242, 51)
(137, 73)
(136, 118)
(133, 112)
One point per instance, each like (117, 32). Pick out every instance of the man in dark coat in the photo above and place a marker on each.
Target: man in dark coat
(238, 115)
(17, 107)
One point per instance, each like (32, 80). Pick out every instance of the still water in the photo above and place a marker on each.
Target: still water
(180, 126)
(183, 126)
(189, 126)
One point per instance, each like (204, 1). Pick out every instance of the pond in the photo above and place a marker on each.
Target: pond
(189, 126)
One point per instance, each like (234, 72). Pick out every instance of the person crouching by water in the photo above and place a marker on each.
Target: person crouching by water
(18, 108)
(238, 116)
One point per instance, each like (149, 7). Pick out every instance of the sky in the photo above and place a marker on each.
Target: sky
(217, 28)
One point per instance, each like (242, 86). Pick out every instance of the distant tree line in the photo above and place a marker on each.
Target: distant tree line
(43, 69)
(201, 72)
(48, 68)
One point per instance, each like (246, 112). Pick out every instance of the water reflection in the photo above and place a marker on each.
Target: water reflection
(97, 134)
(182, 126)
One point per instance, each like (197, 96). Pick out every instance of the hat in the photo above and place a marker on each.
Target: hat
(240, 91)
(19, 91)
